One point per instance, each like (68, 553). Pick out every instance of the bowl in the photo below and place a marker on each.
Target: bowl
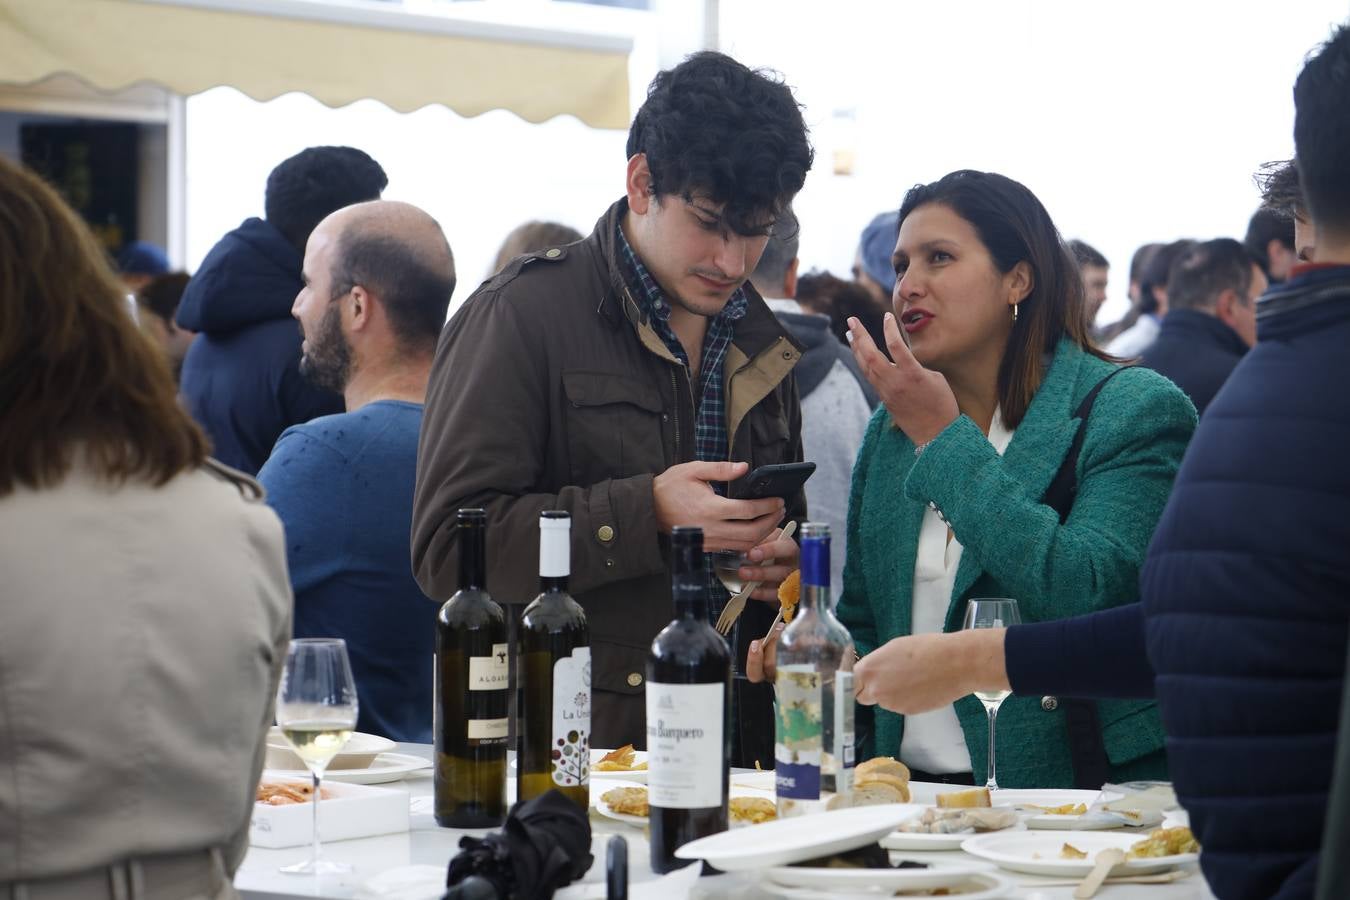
(359, 753)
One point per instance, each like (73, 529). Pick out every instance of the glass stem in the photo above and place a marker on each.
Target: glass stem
(315, 775)
(992, 783)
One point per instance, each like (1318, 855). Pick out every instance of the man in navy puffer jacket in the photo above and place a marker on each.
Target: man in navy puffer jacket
(1247, 584)
(241, 378)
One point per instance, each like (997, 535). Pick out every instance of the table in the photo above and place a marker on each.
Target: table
(428, 845)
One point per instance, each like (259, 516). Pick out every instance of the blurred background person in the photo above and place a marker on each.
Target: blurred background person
(241, 378)
(1270, 238)
(1152, 304)
(1138, 262)
(146, 602)
(872, 268)
(827, 295)
(378, 280)
(1096, 272)
(956, 492)
(1211, 324)
(139, 262)
(837, 401)
(157, 305)
(532, 237)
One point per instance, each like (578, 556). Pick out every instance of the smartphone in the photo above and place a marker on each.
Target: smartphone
(781, 480)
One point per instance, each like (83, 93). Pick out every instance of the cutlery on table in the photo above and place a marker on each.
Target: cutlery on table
(732, 611)
(1107, 860)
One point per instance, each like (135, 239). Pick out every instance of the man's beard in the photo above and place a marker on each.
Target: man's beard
(328, 361)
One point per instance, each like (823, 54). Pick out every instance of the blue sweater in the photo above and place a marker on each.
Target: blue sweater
(343, 488)
(241, 377)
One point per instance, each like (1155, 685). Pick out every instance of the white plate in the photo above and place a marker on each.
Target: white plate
(936, 875)
(904, 840)
(387, 767)
(599, 786)
(1025, 799)
(638, 775)
(360, 751)
(979, 886)
(787, 841)
(1017, 852)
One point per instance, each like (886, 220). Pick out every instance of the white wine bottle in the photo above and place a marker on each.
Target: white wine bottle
(470, 709)
(555, 664)
(813, 740)
(688, 704)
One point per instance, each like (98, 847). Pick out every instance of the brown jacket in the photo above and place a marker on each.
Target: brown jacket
(549, 392)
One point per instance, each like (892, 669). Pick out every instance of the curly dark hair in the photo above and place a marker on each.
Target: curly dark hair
(304, 189)
(713, 126)
(1280, 189)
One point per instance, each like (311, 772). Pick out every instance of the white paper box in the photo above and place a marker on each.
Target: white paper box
(349, 811)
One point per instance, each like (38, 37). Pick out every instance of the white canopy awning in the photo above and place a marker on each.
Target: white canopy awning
(337, 53)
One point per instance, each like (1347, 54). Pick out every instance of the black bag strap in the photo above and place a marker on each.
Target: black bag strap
(1091, 767)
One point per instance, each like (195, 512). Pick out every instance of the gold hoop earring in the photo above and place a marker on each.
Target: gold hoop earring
(1015, 312)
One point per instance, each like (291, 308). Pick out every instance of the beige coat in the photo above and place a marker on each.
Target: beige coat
(142, 632)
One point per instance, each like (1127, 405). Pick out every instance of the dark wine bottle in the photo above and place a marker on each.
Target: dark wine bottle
(555, 663)
(688, 705)
(471, 691)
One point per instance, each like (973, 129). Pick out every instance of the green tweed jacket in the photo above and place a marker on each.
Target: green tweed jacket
(1014, 546)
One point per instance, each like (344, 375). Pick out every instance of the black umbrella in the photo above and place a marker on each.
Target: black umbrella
(544, 845)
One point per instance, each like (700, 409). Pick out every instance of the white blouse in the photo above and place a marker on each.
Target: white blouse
(933, 741)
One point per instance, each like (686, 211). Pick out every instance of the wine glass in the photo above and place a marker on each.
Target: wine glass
(991, 613)
(316, 709)
(727, 567)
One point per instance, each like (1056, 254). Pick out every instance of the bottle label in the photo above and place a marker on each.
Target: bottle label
(488, 673)
(844, 709)
(491, 730)
(571, 747)
(685, 745)
(797, 743)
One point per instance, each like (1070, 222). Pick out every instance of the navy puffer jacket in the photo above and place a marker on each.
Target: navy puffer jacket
(241, 378)
(1247, 597)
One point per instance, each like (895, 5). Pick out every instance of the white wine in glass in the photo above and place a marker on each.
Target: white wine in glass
(316, 710)
(991, 613)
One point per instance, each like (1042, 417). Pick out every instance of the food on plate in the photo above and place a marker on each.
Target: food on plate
(959, 821)
(633, 801)
(752, 809)
(621, 760)
(1068, 809)
(1069, 851)
(1165, 842)
(627, 801)
(284, 793)
(789, 592)
(883, 765)
(975, 797)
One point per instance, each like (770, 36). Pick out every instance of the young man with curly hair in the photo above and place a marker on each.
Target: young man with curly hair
(633, 379)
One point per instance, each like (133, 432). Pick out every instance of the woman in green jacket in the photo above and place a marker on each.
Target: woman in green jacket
(949, 495)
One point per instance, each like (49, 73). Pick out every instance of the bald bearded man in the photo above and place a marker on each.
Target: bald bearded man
(377, 283)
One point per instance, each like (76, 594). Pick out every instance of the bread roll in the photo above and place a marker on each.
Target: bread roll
(899, 785)
(883, 764)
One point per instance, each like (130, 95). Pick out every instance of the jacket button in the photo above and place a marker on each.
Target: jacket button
(554, 253)
(787, 354)
(605, 534)
(1049, 704)
(634, 679)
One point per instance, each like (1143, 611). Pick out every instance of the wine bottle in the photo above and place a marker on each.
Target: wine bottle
(688, 704)
(470, 708)
(555, 661)
(813, 741)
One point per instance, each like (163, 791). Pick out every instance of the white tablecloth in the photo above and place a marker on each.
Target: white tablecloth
(382, 862)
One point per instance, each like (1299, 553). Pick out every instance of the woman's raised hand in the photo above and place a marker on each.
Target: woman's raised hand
(919, 400)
